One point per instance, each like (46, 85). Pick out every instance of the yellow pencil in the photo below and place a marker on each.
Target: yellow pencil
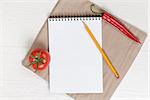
(101, 51)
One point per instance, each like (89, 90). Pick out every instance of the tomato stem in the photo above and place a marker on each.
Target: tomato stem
(37, 60)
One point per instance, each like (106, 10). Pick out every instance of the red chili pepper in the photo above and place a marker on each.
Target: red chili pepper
(112, 20)
(118, 25)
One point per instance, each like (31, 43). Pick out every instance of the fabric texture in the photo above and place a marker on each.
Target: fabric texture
(120, 49)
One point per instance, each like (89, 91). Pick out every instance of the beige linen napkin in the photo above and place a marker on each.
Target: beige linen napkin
(120, 49)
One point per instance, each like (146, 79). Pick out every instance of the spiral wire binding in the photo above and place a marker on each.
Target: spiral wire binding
(74, 18)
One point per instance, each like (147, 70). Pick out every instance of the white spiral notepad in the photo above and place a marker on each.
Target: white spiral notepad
(76, 63)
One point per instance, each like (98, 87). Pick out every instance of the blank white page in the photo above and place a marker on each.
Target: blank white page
(76, 63)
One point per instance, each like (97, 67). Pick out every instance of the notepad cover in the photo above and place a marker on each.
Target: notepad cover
(76, 63)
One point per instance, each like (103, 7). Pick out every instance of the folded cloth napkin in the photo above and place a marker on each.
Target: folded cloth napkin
(120, 49)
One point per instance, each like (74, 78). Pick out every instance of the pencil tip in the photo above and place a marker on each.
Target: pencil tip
(83, 22)
(117, 77)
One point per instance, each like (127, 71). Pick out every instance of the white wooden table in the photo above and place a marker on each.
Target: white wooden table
(20, 21)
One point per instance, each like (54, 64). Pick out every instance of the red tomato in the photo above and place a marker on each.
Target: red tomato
(39, 59)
